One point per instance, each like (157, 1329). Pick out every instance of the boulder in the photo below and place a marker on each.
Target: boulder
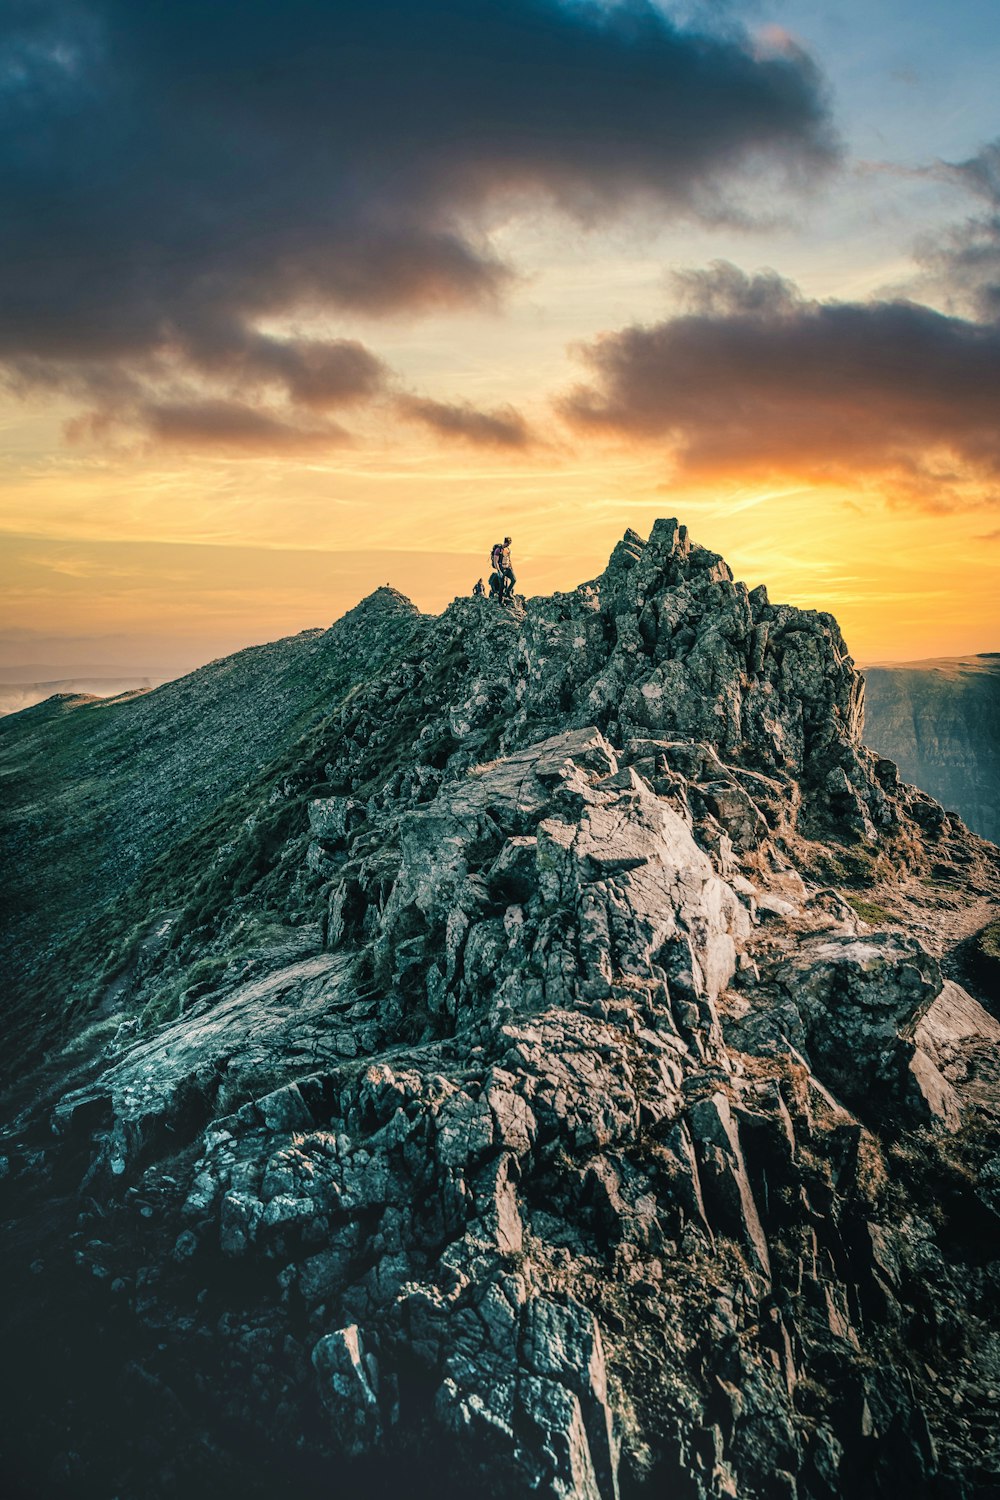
(348, 1379)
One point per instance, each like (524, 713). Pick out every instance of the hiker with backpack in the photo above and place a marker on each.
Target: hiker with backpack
(502, 572)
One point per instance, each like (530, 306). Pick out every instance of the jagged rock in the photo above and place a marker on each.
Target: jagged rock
(554, 1418)
(517, 1129)
(856, 996)
(563, 1343)
(725, 1184)
(960, 1040)
(931, 1094)
(514, 871)
(332, 818)
(238, 1222)
(349, 1384)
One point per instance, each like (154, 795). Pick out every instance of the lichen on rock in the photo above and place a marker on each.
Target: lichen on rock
(575, 1136)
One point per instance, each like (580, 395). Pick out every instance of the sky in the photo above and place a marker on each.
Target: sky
(300, 299)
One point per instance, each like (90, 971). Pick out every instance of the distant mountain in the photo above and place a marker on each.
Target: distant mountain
(939, 720)
(15, 696)
(511, 1052)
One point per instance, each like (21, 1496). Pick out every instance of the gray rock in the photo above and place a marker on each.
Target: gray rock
(563, 1342)
(856, 997)
(348, 1379)
(555, 1422)
(725, 1184)
(332, 818)
(931, 1095)
(532, 1050)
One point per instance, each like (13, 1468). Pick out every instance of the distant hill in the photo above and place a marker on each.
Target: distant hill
(15, 696)
(939, 720)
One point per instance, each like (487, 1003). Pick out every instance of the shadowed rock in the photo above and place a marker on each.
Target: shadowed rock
(559, 1109)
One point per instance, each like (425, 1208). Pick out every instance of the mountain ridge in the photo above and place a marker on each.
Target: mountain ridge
(550, 1073)
(976, 660)
(115, 778)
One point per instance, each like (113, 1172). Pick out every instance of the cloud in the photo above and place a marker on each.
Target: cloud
(965, 262)
(723, 288)
(501, 427)
(311, 372)
(756, 379)
(175, 175)
(232, 424)
(310, 376)
(207, 422)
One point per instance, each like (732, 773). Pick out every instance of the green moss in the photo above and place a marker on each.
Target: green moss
(858, 865)
(195, 980)
(984, 963)
(77, 932)
(229, 876)
(988, 942)
(869, 911)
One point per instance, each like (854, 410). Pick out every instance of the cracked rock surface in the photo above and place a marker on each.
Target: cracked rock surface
(601, 1114)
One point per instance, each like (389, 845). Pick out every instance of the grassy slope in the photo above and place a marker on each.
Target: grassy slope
(113, 808)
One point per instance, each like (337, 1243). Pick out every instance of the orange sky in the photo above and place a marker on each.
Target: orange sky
(156, 557)
(830, 426)
(204, 555)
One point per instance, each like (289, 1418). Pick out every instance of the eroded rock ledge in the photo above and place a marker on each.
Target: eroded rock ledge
(581, 1140)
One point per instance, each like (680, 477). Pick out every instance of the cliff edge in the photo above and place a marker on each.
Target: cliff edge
(551, 1075)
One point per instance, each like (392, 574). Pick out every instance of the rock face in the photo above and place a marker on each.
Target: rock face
(576, 1135)
(940, 722)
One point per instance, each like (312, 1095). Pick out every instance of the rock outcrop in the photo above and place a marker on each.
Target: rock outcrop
(582, 1132)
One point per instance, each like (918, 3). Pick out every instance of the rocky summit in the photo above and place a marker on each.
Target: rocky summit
(552, 1068)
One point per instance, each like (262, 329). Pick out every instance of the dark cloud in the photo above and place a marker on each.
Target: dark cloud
(501, 427)
(175, 175)
(723, 288)
(232, 424)
(248, 372)
(966, 261)
(226, 425)
(759, 380)
(312, 373)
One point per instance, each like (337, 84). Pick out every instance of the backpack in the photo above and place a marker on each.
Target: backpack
(496, 556)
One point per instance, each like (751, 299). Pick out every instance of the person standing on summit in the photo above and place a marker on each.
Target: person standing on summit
(505, 568)
(502, 578)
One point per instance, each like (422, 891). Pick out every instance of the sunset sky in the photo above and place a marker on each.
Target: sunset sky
(297, 299)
